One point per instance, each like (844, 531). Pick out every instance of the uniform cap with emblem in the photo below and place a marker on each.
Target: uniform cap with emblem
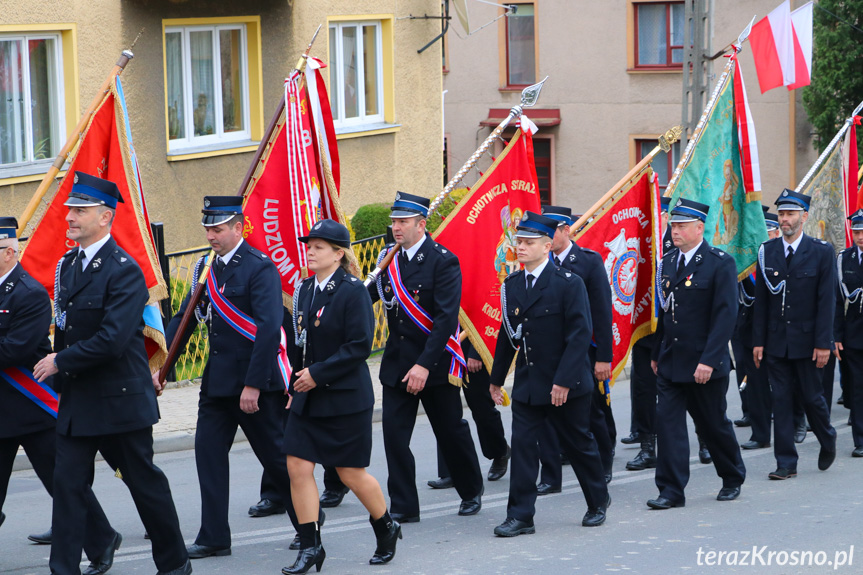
(689, 211)
(331, 231)
(8, 228)
(561, 214)
(856, 220)
(664, 202)
(792, 201)
(409, 206)
(219, 209)
(533, 225)
(88, 191)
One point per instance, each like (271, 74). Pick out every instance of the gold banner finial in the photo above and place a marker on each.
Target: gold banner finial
(667, 139)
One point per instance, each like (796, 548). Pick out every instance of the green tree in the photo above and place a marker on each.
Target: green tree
(837, 68)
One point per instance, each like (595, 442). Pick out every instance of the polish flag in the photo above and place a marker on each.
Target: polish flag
(782, 47)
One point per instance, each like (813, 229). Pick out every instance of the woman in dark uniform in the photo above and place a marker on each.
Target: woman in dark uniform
(332, 400)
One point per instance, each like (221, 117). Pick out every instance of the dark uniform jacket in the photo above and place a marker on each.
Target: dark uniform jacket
(745, 313)
(810, 299)
(698, 327)
(588, 265)
(556, 330)
(337, 349)
(104, 373)
(433, 275)
(848, 325)
(251, 283)
(25, 318)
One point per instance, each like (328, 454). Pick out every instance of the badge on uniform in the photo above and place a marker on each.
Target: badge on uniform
(122, 259)
(688, 280)
(331, 285)
(668, 284)
(421, 257)
(9, 286)
(416, 296)
(697, 258)
(516, 311)
(96, 263)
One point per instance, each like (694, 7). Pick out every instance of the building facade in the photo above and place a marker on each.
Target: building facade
(205, 80)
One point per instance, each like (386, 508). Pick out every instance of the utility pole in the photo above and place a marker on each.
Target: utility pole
(697, 65)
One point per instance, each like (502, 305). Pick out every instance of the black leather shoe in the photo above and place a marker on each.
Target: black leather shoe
(858, 452)
(330, 498)
(632, 438)
(800, 434)
(728, 494)
(663, 503)
(608, 477)
(104, 563)
(386, 545)
(186, 569)
(440, 483)
(41, 538)
(704, 455)
(499, 466)
(266, 507)
(546, 489)
(754, 445)
(596, 517)
(743, 421)
(841, 400)
(826, 458)
(201, 551)
(782, 473)
(306, 558)
(513, 527)
(646, 459)
(403, 518)
(471, 506)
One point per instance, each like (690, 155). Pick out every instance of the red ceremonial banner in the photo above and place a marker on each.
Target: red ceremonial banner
(481, 232)
(627, 237)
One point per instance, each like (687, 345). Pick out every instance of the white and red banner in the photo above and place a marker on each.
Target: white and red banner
(849, 175)
(296, 182)
(782, 47)
(627, 237)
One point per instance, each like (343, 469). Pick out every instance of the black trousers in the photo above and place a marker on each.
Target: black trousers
(852, 377)
(706, 404)
(40, 448)
(218, 419)
(571, 425)
(828, 379)
(77, 517)
(740, 351)
(605, 436)
(489, 427)
(758, 392)
(442, 405)
(800, 378)
(643, 389)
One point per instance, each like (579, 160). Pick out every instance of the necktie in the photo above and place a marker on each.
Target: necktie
(681, 263)
(220, 267)
(557, 261)
(789, 257)
(530, 279)
(78, 267)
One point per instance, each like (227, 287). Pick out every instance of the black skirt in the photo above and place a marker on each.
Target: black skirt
(340, 441)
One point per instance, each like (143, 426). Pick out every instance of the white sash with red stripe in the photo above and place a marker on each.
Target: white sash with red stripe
(245, 325)
(423, 320)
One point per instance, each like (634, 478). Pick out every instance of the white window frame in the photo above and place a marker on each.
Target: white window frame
(59, 101)
(219, 137)
(336, 54)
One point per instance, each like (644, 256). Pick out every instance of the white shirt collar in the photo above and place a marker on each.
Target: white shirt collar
(536, 272)
(412, 251)
(91, 250)
(7, 274)
(688, 255)
(227, 257)
(562, 255)
(795, 244)
(319, 284)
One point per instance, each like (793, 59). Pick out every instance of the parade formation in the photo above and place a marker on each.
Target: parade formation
(685, 288)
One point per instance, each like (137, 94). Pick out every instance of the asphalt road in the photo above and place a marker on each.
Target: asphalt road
(814, 518)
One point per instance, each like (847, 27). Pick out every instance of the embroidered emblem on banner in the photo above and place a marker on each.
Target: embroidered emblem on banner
(621, 266)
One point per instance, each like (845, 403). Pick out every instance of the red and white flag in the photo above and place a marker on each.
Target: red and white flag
(849, 175)
(782, 47)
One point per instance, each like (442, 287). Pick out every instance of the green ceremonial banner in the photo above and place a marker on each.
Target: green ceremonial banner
(827, 210)
(710, 173)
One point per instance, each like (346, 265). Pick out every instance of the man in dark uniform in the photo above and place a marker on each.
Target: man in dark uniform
(241, 385)
(587, 265)
(848, 328)
(547, 324)
(107, 403)
(795, 301)
(757, 388)
(698, 297)
(415, 365)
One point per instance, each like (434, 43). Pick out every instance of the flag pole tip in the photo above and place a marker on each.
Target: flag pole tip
(667, 139)
(745, 34)
(530, 95)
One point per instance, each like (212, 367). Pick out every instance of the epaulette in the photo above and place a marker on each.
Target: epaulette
(349, 278)
(119, 256)
(565, 273)
(513, 274)
(717, 252)
(439, 248)
(259, 253)
(589, 251)
(28, 281)
(673, 251)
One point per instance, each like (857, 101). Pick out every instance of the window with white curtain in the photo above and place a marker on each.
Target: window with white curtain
(32, 118)
(356, 73)
(659, 31)
(207, 85)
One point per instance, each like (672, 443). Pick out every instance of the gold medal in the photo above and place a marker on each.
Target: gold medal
(776, 273)
(688, 283)
(317, 323)
(416, 297)
(299, 318)
(516, 311)
(668, 284)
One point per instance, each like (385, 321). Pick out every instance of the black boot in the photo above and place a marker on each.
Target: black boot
(646, 458)
(311, 551)
(387, 532)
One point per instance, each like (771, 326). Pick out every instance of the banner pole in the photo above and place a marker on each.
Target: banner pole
(73, 138)
(829, 149)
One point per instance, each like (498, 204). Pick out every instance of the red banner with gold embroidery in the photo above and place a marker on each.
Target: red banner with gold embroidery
(481, 232)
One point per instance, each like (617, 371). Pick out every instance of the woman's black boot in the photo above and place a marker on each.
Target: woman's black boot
(387, 533)
(311, 551)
